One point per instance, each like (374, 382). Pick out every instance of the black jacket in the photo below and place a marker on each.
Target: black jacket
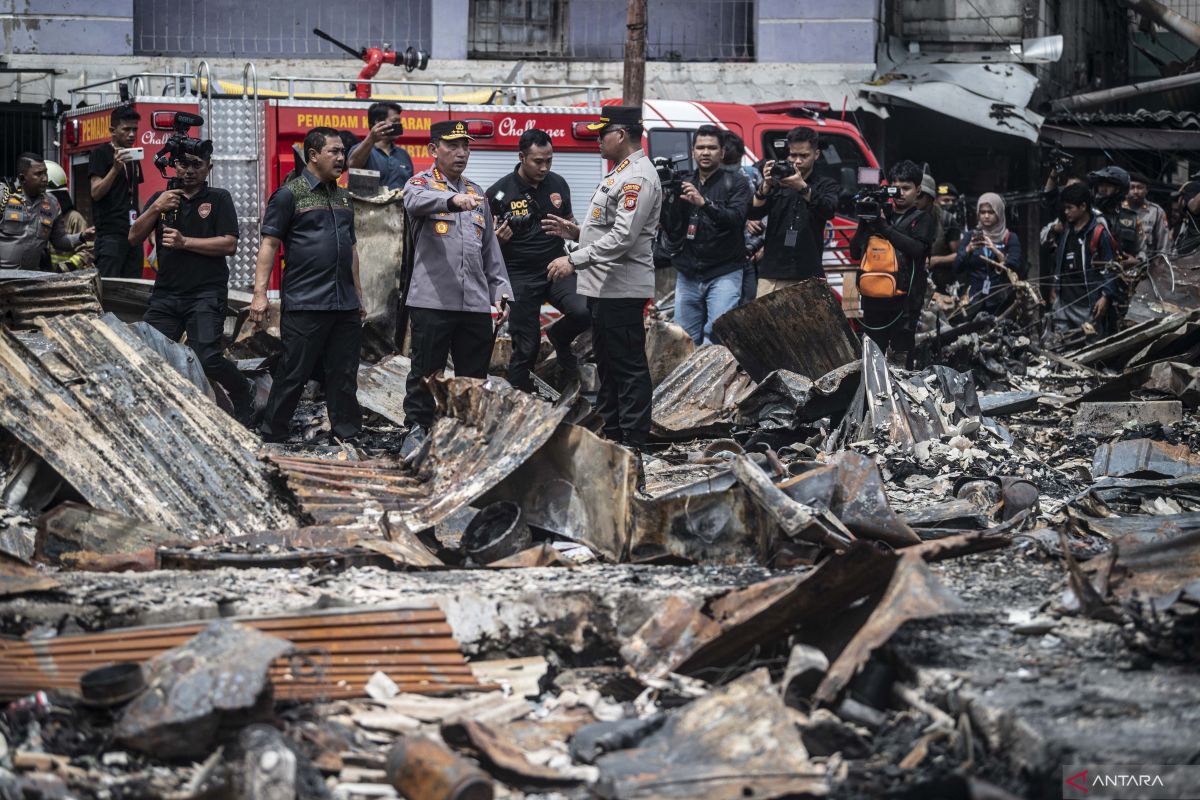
(787, 210)
(718, 242)
(911, 233)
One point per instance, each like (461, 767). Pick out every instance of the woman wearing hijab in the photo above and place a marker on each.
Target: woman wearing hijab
(983, 254)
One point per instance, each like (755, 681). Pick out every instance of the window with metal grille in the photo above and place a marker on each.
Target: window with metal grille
(504, 28)
(239, 28)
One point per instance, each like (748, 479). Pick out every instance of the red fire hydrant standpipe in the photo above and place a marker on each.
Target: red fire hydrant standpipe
(374, 58)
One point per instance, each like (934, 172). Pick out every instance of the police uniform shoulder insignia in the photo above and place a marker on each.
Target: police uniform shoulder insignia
(630, 201)
(556, 199)
(595, 212)
(417, 181)
(631, 187)
(622, 165)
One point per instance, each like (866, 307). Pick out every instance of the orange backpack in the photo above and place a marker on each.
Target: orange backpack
(878, 269)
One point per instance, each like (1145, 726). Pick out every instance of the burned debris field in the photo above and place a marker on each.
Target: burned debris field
(843, 579)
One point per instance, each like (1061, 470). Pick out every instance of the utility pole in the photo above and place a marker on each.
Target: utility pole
(633, 89)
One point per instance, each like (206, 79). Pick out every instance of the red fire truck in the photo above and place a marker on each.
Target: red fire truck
(253, 133)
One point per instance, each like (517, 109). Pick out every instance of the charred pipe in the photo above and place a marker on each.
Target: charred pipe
(421, 769)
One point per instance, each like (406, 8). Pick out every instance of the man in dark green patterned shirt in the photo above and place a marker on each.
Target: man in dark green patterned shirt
(322, 310)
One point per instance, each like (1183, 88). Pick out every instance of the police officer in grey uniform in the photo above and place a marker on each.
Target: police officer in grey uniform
(458, 274)
(33, 218)
(615, 263)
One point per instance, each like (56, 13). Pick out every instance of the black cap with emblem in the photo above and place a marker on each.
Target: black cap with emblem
(618, 115)
(450, 130)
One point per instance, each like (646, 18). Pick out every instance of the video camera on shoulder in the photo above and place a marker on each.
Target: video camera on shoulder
(670, 171)
(179, 144)
(1059, 161)
(871, 198)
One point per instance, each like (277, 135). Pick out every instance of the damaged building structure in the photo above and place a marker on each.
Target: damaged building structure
(842, 580)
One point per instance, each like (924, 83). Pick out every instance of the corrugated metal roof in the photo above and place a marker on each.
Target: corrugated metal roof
(130, 433)
(1142, 118)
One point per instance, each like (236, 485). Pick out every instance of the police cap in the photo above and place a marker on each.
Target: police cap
(618, 115)
(947, 190)
(449, 130)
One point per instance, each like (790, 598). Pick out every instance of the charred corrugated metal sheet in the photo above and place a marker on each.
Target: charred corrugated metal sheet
(337, 651)
(130, 434)
(700, 397)
(26, 295)
(485, 431)
(381, 387)
(579, 486)
(800, 328)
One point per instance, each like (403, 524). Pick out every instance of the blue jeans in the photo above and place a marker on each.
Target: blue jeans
(698, 304)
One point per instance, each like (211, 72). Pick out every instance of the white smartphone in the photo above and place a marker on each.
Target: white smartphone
(134, 153)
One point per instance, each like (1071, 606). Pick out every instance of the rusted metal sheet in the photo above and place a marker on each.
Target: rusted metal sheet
(579, 486)
(711, 521)
(912, 593)
(1175, 379)
(486, 430)
(72, 529)
(763, 612)
(381, 387)
(191, 688)
(850, 486)
(700, 397)
(337, 652)
(1134, 344)
(26, 295)
(800, 328)
(667, 346)
(1144, 458)
(130, 434)
(1164, 572)
(735, 742)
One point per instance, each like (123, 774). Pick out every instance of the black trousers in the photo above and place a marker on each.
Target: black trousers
(530, 290)
(202, 317)
(619, 343)
(116, 258)
(328, 338)
(892, 322)
(468, 336)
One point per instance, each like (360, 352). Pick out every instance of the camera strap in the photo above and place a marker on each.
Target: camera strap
(792, 235)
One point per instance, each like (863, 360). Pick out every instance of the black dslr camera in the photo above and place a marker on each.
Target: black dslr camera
(179, 144)
(523, 215)
(782, 169)
(869, 202)
(669, 173)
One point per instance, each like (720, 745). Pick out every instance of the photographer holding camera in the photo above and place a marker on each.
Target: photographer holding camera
(115, 175)
(195, 227)
(797, 205)
(519, 201)
(704, 213)
(892, 249)
(379, 150)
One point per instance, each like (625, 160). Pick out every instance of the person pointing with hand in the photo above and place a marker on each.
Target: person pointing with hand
(458, 274)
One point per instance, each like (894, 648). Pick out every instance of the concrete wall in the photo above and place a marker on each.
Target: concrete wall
(67, 26)
(961, 20)
(817, 31)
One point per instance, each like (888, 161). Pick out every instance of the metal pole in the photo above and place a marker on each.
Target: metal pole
(1103, 96)
(633, 88)
(1170, 19)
